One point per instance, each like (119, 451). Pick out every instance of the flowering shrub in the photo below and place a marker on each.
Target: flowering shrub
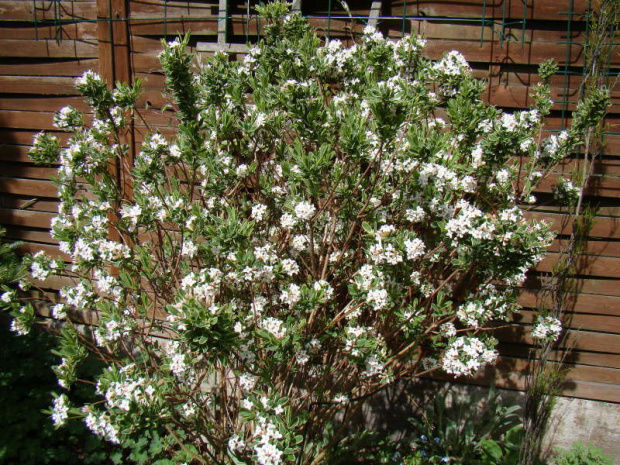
(325, 220)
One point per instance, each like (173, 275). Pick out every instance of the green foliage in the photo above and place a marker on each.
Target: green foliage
(485, 434)
(27, 436)
(579, 454)
(11, 267)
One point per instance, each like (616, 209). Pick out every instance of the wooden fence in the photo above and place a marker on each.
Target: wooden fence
(45, 44)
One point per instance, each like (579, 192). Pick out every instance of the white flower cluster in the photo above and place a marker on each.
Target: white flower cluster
(101, 424)
(452, 64)
(266, 449)
(565, 191)
(125, 393)
(113, 327)
(472, 314)
(273, 326)
(60, 410)
(547, 328)
(67, 118)
(466, 355)
(41, 266)
(469, 221)
(304, 210)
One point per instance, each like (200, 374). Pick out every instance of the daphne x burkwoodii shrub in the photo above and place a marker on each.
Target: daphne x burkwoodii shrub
(326, 220)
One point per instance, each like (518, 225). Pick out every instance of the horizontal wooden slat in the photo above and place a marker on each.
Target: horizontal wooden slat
(63, 31)
(37, 85)
(607, 392)
(191, 9)
(56, 68)
(37, 120)
(14, 153)
(55, 282)
(604, 267)
(21, 234)
(603, 248)
(30, 172)
(51, 250)
(579, 340)
(518, 96)
(25, 218)
(580, 322)
(50, 104)
(28, 203)
(603, 227)
(563, 355)
(14, 138)
(48, 48)
(485, 9)
(579, 303)
(39, 188)
(41, 10)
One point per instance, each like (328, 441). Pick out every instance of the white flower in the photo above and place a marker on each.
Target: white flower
(464, 356)
(509, 122)
(174, 44)
(288, 221)
(452, 64)
(369, 30)
(304, 210)
(18, 327)
(247, 381)
(175, 152)
(290, 267)
(87, 76)
(322, 285)
(60, 410)
(235, 443)
(292, 295)
(547, 328)
(258, 211)
(380, 254)
(415, 248)
(132, 214)
(189, 249)
(299, 243)
(471, 314)
(7, 297)
(59, 311)
(378, 298)
(374, 366)
(242, 171)
(274, 326)
(502, 176)
(448, 329)
(301, 357)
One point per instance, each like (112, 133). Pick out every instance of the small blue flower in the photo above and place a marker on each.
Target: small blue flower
(437, 440)
(423, 453)
(424, 438)
(445, 459)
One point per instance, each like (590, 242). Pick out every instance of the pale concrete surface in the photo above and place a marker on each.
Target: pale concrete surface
(588, 421)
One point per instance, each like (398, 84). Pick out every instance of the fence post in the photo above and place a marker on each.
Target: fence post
(115, 66)
(114, 40)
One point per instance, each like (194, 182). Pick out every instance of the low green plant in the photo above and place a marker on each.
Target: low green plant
(488, 433)
(580, 454)
(27, 435)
